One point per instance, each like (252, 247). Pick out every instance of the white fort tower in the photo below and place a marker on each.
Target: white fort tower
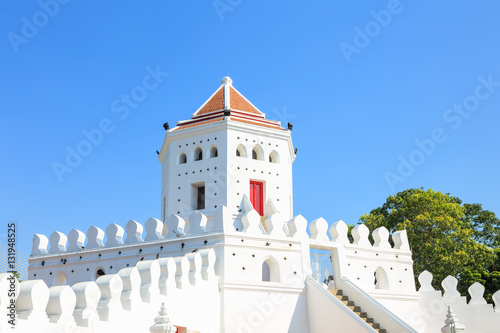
(226, 151)
(228, 255)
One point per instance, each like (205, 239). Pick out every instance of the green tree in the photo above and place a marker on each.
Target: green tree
(484, 223)
(446, 237)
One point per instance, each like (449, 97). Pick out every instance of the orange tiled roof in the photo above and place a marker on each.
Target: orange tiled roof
(215, 103)
(238, 102)
(208, 114)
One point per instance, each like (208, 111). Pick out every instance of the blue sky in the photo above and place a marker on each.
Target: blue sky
(362, 84)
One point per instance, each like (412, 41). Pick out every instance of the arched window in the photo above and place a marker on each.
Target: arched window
(241, 151)
(381, 281)
(257, 153)
(266, 272)
(270, 270)
(61, 279)
(273, 157)
(198, 154)
(213, 152)
(182, 158)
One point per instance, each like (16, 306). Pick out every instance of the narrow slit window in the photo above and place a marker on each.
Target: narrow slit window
(200, 197)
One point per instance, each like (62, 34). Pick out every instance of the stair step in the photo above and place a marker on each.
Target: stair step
(356, 309)
(335, 291)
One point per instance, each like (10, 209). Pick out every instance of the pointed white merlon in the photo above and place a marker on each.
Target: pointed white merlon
(175, 226)
(182, 272)
(476, 292)
(271, 208)
(76, 240)
(62, 301)
(114, 234)
(246, 204)
(360, 234)
(195, 263)
(134, 232)
(381, 238)
(208, 263)
(32, 301)
(150, 276)
(95, 237)
(318, 229)
(274, 225)
(87, 297)
(400, 239)
(109, 306)
(338, 232)
(298, 227)
(39, 246)
(251, 223)
(154, 228)
(425, 279)
(198, 223)
(58, 242)
(449, 285)
(131, 294)
(167, 282)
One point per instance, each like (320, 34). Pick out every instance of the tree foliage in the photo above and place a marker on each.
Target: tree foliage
(446, 237)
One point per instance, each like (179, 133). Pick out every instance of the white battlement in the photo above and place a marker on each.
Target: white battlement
(70, 260)
(187, 285)
(476, 315)
(199, 224)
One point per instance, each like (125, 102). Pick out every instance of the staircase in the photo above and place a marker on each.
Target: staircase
(356, 309)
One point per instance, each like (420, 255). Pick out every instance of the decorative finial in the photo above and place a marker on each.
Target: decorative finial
(452, 324)
(162, 322)
(227, 80)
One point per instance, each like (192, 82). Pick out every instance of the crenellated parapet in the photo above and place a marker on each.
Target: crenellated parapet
(78, 257)
(476, 315)
(125, 301)
(83, 256)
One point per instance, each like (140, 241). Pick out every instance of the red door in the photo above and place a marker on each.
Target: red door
(257, 196)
